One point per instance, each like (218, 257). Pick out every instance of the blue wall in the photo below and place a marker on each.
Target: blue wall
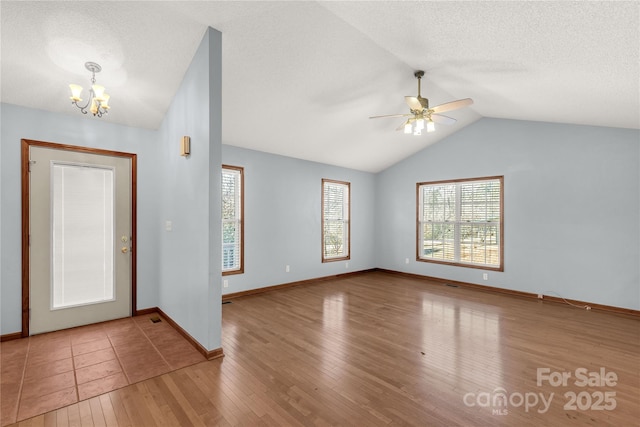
(189, 283)
(282, 219)
(572, 207)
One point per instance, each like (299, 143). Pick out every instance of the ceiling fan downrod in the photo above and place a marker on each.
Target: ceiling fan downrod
(418, 74)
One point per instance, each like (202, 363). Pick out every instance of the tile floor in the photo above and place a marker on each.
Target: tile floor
(45, 372)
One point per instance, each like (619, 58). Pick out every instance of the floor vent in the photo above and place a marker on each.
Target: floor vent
(450, 285)
(155, 319)
(226, 302)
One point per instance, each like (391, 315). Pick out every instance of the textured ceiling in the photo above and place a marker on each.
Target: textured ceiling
(301, 78)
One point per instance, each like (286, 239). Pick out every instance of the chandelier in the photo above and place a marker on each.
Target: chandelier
(98, 102)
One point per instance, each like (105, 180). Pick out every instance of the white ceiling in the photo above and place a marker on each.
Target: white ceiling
(301, 78)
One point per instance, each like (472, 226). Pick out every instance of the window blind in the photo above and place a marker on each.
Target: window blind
(82, 241)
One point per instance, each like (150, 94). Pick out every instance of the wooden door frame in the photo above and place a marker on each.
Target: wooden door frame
(26, 145)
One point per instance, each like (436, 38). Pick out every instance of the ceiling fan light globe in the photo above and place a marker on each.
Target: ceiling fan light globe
(407, 128)
(417, 132)
(419, 124)
(431, 126)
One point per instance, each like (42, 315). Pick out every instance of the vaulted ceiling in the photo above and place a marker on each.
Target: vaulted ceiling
(301, 78)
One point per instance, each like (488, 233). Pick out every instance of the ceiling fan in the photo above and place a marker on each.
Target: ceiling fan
(422, 115)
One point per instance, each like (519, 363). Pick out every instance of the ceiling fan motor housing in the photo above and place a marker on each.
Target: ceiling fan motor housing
(424, 102)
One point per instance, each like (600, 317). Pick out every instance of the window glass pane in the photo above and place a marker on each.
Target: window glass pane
(83, 235)
(229, 245)
(491, 236)
(448, 242)
(438, 203)
(466, 243)
(333, 238)
(438, 241)
(229, 193)
(480, 201)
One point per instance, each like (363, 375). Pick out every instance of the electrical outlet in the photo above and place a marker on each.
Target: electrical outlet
(287, 269)
(168, 225)
(485, 276)
(406, 260)
(225, 283)
(346, 265)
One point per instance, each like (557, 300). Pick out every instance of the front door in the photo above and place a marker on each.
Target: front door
(80, 235)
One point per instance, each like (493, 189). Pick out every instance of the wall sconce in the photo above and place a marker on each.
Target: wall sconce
(185, 146)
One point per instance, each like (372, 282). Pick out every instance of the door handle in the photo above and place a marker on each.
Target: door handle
(124, 249)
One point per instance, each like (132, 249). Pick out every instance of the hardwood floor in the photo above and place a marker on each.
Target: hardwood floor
(384, 350)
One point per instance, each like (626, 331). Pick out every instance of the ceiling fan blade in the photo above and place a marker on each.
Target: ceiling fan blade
(413, 102)
(446, 120)
(391, 115)
(453, 105)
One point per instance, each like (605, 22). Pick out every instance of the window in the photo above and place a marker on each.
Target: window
(335, 220)
(232, 220)
(83, 232)
(460, 222)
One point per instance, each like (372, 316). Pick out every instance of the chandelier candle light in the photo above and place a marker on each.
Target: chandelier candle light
(98, 102)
